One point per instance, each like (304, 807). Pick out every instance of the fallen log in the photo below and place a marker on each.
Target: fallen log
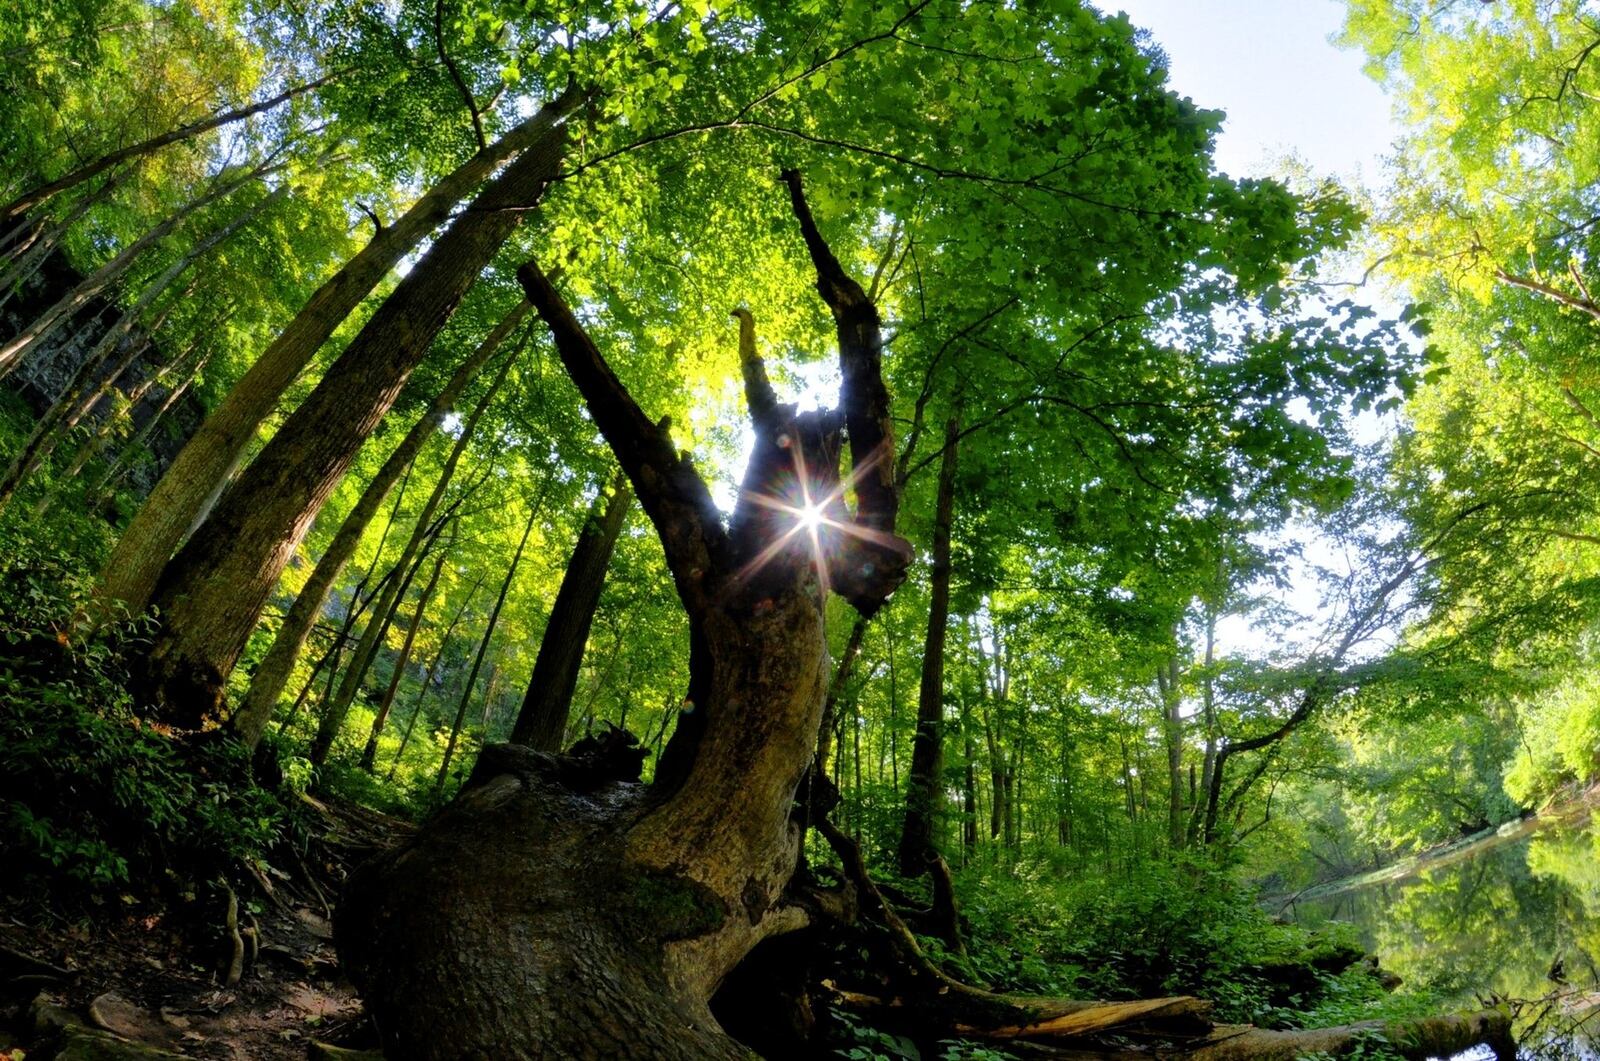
(924, 999)
(1423, 1037)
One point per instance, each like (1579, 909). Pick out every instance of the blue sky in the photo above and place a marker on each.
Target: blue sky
(1270, 65)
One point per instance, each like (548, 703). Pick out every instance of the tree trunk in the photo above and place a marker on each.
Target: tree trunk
(924, 784)
(19, 206)
(428, 676)
(161, 524)
(369, 754)
(257, 525)
(483, 646)
(1172, 733)
(13, 350)
(1208, 707)
(273, 672)
(556, 908)
(542, 722)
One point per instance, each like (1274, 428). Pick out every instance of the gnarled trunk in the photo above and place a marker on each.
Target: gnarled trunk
(559, 910)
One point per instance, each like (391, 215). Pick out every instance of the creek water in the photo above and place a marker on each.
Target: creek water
(1510, 915)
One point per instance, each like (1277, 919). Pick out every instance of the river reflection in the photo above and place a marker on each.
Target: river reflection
(1515, 916)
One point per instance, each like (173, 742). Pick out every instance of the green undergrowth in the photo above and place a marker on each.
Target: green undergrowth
(91, 798)
(1157, 928)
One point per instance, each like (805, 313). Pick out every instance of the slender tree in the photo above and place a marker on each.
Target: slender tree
(204, 464)
(369, 754)
(542, 722)
(925, 782)
(483, 646)
(272, 674)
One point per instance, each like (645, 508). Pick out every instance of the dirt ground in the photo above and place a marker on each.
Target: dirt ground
(154, 972)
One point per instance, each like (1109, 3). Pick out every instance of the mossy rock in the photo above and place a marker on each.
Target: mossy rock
(84, 1044)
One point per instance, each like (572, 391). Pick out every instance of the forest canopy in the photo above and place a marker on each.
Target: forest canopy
(815, 529)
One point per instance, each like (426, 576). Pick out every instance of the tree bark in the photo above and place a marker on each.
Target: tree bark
(161, 524)
(924, 783)
(587, 916)
(212, 592)
(542, 722)
(274, 670)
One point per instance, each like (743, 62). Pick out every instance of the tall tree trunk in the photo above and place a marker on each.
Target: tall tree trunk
(274, 670)
(925, 782)
(483, 646)
(205, 462)
(83, 393)
(629, 905)
(25, 202)
(369, 754)
(13, 350)
(258, 523)
(1167, 678)
(428, 676)
(542, 722)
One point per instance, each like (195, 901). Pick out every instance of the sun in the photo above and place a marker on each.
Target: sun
(809, 516)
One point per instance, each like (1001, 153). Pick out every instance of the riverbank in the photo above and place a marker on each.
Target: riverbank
(1565, 809)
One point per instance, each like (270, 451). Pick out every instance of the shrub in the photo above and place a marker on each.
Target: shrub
(89, 794)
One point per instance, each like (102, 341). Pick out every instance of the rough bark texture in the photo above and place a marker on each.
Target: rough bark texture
(592, 917)
(273, 673)
(923, 784)
(542, 722)
(161, 524)
(212, 592)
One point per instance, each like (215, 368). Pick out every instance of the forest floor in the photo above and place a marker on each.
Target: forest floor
(154, 971)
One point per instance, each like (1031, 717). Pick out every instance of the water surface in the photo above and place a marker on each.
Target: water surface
(1512, 915)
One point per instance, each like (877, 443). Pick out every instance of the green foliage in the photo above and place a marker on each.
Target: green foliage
(866, 1043)
(89, 795)
(1159, 928)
